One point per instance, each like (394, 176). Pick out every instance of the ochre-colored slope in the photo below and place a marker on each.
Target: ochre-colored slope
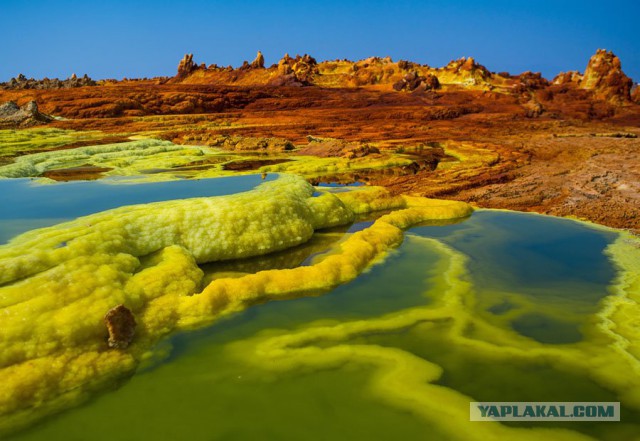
(563, 147)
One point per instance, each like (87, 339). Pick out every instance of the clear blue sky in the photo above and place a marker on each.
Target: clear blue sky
(113, 39)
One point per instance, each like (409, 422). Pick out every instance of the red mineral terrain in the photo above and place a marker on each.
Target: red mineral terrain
(565, 147)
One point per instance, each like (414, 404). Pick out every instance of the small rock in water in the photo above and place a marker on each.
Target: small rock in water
(121, 326)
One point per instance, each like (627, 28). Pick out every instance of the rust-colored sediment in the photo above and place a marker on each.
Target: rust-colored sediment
(563, 147)
(121, 325)
(81, 173)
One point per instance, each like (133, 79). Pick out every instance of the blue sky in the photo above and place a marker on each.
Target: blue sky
(114, 39)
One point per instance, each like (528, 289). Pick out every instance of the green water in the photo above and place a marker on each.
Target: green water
(537, 276)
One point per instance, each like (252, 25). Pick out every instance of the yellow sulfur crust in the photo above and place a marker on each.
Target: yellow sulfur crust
(58, 282)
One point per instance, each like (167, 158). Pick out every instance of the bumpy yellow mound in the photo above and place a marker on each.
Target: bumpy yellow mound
(16, 142)
(58, 282)
(126, 158)
(155, 160)
(311, 166)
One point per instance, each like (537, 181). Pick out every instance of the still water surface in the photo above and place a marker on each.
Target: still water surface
(539, 276)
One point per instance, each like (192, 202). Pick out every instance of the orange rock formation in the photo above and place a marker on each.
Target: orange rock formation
(567, 146)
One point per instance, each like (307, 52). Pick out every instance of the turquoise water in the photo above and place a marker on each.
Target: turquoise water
(547, 259)
(28, 204)
(535, 253)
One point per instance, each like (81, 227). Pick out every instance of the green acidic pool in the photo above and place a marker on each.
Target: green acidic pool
(531, 283)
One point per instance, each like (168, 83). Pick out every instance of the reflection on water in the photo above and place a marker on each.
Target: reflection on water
(339, 184)
(541, 255)
(535, 276)
(28, 204)
(545, 260)
(546, 329)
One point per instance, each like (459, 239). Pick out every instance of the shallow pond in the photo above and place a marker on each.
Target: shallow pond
(531, 279)
(29, 203)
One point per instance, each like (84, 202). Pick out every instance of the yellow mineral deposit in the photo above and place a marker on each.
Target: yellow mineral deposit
(157, 160)
(125, 158)
(310, 166)
(20, 142)
(59, 282)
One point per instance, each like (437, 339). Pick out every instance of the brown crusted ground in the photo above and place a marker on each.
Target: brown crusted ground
(251, 164)
(82, 173)
(545, 148)
(589, 177)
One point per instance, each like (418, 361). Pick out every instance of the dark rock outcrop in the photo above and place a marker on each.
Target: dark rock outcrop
(470, 66)
(258, 63)
(121, 325)
(331, 147)
(298, 71)
(570, 77)
(531, 80)
(11, 115)
(186, 66)
(406, 65)
(242, 143)
(22, 82)
(412, 81)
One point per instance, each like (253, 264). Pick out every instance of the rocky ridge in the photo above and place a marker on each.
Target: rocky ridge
(603, 76)
(22, 82)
